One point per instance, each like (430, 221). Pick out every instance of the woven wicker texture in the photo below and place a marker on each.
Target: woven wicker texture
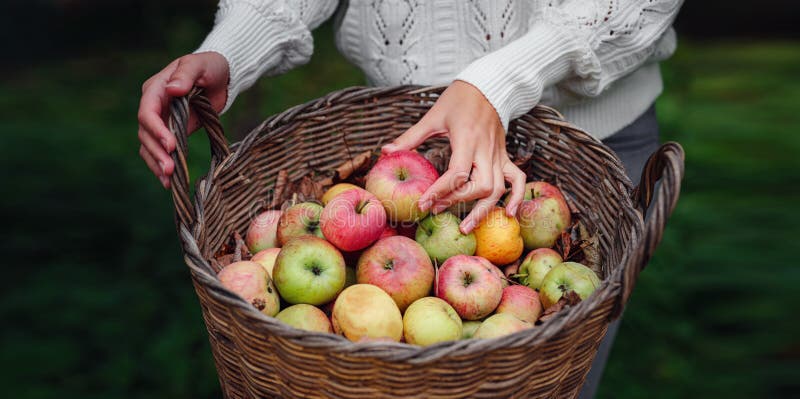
(257, 356)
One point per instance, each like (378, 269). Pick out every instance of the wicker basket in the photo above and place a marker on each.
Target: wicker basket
(257, 356)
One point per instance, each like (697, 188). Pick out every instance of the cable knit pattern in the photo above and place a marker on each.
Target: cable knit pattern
(595, 60)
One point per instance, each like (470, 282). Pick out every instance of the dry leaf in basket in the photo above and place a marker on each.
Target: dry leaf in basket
(570, 298)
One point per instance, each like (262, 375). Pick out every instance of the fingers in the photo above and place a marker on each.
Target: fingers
(157, 152)
(457, 175)
(516, 177)
(410, 139)
(153, 165)
(486, 204)
(188, 71)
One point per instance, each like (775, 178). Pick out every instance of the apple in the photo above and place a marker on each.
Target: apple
(398, 179)
(399, 266)
(469, 327)
(366, 312)
(309, 270)
(568, 276)
(536, 265)
(353, 220)
(499, 274)
(442, 238)
(263, 231)
(500, 324)
(468, 284)
(299, 220)
(266, 258)
(388, 231)
(305, 317)
(336, 190)
(544, 216)
(431, 320)
(250, 281)
(520, 302)
(498, 238)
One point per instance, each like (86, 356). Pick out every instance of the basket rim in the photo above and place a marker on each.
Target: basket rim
(396, 351)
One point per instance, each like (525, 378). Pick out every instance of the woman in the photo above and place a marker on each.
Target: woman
(594, 60)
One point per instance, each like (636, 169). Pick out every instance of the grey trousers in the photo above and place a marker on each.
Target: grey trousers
(633, 144)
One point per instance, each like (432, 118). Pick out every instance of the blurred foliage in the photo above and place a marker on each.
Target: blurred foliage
(97, 303)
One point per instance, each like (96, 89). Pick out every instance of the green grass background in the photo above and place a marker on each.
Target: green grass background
(97, 303)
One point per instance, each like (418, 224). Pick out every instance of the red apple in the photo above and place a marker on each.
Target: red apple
(521, 302)
(399, 266)
(299, 220)
(263, 231)
(544, 216)
(469, 285)
(398, 180)
(499, 275)
(353, 220)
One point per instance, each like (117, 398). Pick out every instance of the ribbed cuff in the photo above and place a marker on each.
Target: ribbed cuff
(255, 42)
(513, 77)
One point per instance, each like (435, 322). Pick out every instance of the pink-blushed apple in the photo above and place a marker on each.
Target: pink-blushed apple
(366, 312)
(536, 265)
(263, 231)
(399, 266)
(305, 317)
(468, 284)
(398, 179)
(469, 327)
(309, 270)
(250, 281)
(520, 302)
(500, 324)
(441, 237)
(267, 258)
(299, 220)
(568, 276)
(544, 216)
(431, 320)
(353, 220)
(336, 190)
(499, 275)
(388, 231)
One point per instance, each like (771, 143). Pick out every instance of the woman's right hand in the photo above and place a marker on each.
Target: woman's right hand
(208, 70)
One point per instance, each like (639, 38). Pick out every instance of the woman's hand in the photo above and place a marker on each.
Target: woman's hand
(208, 70)
(479, 165)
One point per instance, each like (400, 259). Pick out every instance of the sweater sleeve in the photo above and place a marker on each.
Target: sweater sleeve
(260, 37)
(580, 45)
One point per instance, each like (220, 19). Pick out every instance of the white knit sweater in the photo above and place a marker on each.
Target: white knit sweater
(594, 60)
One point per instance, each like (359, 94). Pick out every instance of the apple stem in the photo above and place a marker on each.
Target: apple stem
(360, 206)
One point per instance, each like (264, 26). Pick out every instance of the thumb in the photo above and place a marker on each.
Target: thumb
(410, 139)
(188, 71)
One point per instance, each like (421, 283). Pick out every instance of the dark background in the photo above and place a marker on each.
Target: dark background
(96, 301)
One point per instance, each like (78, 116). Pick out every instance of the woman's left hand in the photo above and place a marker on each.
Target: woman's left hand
(479, 165)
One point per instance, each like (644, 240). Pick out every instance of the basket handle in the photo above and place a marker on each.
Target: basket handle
(655, 203)
(178, 123)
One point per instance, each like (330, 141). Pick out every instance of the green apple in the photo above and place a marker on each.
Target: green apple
(431, 320)
(299, 220)
(305, 317)
(500, 324)
(309, 270)
(568, 276)
(536, 265)
(469, 327)
(441, 237)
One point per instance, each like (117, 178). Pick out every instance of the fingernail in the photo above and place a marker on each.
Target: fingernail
(163, 168)
(172, 83)
(424, 205)
(388, 148)
(164, 144)
(511, 211)
(164, 181)
(466, 227)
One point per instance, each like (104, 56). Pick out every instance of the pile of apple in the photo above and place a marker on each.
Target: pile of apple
(341, 267)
